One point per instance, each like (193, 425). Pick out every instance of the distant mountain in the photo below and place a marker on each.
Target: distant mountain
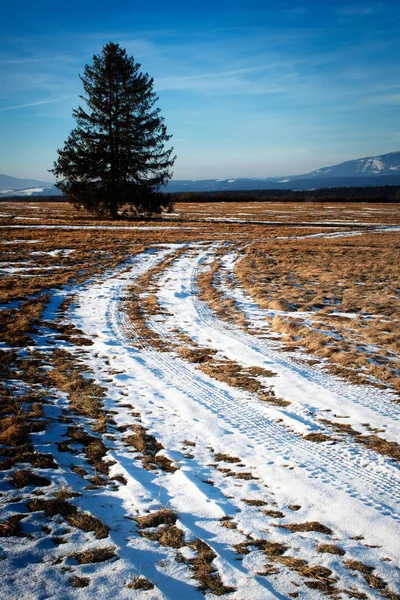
(14, 183)
(13, 186)
(370, 171)
(376, 166)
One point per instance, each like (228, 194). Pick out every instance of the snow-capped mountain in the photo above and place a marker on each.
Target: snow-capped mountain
(385, 164)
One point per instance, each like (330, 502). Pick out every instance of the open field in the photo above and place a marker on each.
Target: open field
(202, 404)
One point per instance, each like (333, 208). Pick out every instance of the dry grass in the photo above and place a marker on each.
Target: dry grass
(72, 515)
(140, 305)
(229, 371)
(95, 555)
(330, 549)
(141, 583)
(79, 470)
(80, 582)
(196, 355)
(306, 527)
(224, 307)
(306, 570)
(321, 577)
(89, 255)
(26, 454)
(15, 430)
(70, 333)
(154, 519)
(149, 448)
(251, 502)
(238, 376)
(16, 324)
(19, 418)
(93, 447)
(202, 569)
(227, 522)
(11, 527)
(86, 397)
(293, 212)
(323, 276)
(317, 437)
(244, 475)
(65, 492)
(271, 549)
(375, 582)
(274, 514)
(169, 535)
(25, 477)
(226, 458)
(372, 442)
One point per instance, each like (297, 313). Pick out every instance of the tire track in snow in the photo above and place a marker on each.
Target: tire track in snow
(359, 396)
(266, 438)
(258, 436)
(245, 416)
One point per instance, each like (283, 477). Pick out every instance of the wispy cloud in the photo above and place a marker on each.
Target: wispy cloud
(27, 60)
(218, 83)
(360, 9)
(16, 107)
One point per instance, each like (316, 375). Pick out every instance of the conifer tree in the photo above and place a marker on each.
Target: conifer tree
(116, 155)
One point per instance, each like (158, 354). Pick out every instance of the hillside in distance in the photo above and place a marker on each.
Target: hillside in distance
(369, 171)
(379, 170)
(376, 166)
(14, 186)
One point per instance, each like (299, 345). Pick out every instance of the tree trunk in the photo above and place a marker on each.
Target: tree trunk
(113, 209)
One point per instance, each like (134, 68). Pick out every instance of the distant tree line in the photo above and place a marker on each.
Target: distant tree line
(388, 193)
(35, 199)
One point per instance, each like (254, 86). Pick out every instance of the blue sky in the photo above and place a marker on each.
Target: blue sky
(248, 89)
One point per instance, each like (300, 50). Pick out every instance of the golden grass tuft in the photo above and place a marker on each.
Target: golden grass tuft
(149, 448)
(221, 457)
(95, 555)
(202, 569)
(317, 437)
(11, 527)
(306, 527)
(75, 517)
(251, 502)
(168, 535)
(25, 477)
(330, 549)
(159, 517)
(141, 583)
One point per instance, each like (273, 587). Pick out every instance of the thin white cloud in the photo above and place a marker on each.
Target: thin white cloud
(359, 9)
(37, 60)
(35, 103)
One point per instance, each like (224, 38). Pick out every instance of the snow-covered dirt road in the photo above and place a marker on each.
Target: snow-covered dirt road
(351, 490)
(261, 509)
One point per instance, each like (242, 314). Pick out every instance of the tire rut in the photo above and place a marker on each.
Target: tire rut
(334, 468)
